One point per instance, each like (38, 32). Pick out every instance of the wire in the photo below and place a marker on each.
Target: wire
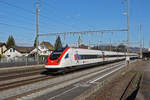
(26, 19)
(17, 7)
(49, 5)
(86, 24)
(25, 28)
(32, 12)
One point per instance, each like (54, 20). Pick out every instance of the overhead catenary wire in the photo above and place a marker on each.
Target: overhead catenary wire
(20, 16)
(26, 10)
(41, 15)
(82, 32)
(48, 5)
(25, 28)
(18, 7)
(31, 12)
(71, 17)
(26, 20)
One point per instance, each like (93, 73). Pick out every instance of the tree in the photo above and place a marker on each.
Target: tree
(35, 42)
(10, 42)
(66, 46)
(58, 43)
(121, 48)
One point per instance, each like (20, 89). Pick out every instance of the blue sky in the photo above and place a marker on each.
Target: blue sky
(17, 18)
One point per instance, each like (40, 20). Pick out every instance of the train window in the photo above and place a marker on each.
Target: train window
(56, 53)
(59, 50)
(79, 57)
(88, 56)
(99, 56)
(67, 56)
(54, 56)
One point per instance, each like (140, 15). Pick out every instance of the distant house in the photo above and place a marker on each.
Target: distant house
(18, 51)
(48, 45)
(148, 49)
(83, 46)
(3, 48)
(45, 48)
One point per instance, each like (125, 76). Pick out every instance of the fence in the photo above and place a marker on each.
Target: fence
(23, 61)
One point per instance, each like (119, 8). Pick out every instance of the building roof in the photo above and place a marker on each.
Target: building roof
(23, 49)
(83, 46)
(48, 45)
(2, 43)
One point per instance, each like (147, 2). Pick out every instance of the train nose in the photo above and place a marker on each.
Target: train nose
(53, 62)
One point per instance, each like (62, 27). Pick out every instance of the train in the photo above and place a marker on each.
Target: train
(64, 59)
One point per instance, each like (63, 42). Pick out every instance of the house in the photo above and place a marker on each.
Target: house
(42, 50)
(83, 46)
(18, 51)
(148, 49)
(48, 45)
(3, 48)
(45, 48)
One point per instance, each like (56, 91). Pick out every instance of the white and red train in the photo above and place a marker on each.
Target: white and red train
(73, 58)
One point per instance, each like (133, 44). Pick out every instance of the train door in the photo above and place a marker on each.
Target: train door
(76, 57)
(68, 59)
(103, 56)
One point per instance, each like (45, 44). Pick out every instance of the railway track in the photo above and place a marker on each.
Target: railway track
(16, 84)
(19, 75)
(23, 82)
(54, 85)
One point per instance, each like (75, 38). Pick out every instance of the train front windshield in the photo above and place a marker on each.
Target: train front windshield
(56, 53)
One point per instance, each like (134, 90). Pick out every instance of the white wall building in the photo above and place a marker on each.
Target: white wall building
(148, 49)
(17, 51)
(45, 48)
(12, 53)
(42, 50)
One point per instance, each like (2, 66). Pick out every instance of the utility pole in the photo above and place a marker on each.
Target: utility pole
(149, 43)
(143, 44)
(101, 40)
(110, 46)
(89, 45)
(37, 29)
(89, 42)
(140, 41)
(128, 27)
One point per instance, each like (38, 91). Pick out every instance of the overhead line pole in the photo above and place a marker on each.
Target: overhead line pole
(83, 32)
(140, 40)
(128, 27)
(37, 29)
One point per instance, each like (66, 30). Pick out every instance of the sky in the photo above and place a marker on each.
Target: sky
(17, 18)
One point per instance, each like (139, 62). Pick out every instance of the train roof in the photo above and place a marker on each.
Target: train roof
(100, 51)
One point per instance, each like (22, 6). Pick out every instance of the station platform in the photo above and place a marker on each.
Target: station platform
(144, 91)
